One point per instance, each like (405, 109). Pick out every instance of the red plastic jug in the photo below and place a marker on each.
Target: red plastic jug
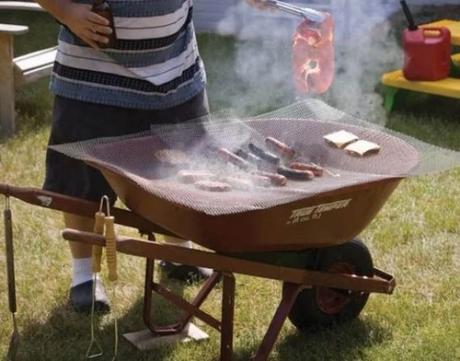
(427, 54)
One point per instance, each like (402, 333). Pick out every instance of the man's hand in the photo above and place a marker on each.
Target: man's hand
(87, 25)
(259, 4)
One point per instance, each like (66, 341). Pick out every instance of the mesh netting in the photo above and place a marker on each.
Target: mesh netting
(302, 126)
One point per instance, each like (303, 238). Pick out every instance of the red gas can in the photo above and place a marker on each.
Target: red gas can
(427, 53)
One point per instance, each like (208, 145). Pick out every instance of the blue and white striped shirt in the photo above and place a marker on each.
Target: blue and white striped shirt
(154, 64)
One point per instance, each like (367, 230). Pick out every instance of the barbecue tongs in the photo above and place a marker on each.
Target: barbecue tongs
(306, 13)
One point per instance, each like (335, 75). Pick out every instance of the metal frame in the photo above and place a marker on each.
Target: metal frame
(295, 279)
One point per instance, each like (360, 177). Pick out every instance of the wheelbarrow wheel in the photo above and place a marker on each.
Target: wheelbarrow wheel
(323, 306)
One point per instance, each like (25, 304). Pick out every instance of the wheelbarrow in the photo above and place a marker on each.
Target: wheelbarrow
(303, 234)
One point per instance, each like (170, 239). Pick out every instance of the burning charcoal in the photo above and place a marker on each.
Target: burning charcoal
(315, 169)
(296, 174)
(275, 179)
(233, 158)
(173, 157)
(212, 186)
(280, 148)
(267, 156)
(189, 177)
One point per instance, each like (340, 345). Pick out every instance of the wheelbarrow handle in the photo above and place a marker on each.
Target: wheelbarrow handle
(10, 259)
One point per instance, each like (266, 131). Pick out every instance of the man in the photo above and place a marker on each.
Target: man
(152, 73)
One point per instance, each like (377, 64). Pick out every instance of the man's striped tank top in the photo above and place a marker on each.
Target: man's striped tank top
(154, 64)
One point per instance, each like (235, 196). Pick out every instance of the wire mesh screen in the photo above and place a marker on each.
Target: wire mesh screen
(189, 164)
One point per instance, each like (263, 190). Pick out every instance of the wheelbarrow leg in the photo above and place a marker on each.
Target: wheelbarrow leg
(290, 293)
(148, 314)
(148, 288)
(228, 309)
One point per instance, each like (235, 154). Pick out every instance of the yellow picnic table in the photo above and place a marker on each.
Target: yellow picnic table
(449, 87)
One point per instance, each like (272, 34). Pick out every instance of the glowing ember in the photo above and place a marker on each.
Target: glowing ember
(313, 56)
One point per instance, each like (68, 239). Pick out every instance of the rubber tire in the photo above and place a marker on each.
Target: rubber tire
(306, 314)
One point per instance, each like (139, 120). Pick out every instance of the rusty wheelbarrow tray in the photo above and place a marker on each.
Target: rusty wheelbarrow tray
(322, 212)
(300, 281)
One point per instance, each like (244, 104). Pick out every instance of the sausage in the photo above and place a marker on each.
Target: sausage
(212, 186)
(189, 177)
(233, 158)
(250, 157)
(280, 148)
(296, 174)
(267, 156)
(260, 180)
(315, 169)
(275, 179)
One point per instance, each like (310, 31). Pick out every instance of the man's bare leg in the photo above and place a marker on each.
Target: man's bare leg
(82, 277)
(84, 224)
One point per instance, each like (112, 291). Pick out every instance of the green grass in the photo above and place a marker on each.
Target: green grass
(415, 237)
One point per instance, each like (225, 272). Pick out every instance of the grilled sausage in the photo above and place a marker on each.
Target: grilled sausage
(250, 157)
(233, 158)
(275, 179)
(315, 169)
(189, 177)
(280, 148)
(260, 180)
(212, 186)
(296, 174)
(267, 156)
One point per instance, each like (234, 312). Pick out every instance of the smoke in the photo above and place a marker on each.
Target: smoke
(366, 47)
(260, 77)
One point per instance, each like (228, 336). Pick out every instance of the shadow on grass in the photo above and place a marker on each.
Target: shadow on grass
(342, 343)
(65, 335)
(345, 342)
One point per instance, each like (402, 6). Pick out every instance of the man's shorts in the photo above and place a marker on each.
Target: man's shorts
(75, 121)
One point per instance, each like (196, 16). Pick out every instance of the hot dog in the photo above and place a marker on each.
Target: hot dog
(275, 179)
(250, 157)
(315, 169)
(233, 158)
(267, 156)
(260, 180)
(280, 148)
(296, 174)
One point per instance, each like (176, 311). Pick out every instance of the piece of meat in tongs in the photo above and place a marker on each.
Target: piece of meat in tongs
(312, 50)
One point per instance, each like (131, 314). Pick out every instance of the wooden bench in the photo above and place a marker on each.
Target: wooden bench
(16, 71)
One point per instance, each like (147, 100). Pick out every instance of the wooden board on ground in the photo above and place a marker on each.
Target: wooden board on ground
(145, 340)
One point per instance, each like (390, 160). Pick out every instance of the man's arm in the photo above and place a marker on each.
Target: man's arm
(87, 25)
(259, 4)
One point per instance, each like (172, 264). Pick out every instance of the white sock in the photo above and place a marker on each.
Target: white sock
(81, 271)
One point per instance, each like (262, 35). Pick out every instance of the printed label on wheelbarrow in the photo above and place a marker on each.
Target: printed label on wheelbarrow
(316, 212)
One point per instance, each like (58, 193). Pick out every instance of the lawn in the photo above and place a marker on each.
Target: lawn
(416, 237)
